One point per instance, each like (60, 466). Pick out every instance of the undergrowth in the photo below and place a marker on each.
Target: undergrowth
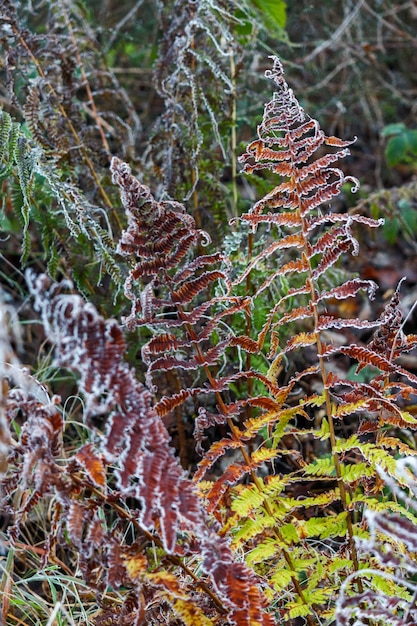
(296, 502)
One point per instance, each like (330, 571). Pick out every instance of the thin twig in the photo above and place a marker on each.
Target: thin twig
(336, 35)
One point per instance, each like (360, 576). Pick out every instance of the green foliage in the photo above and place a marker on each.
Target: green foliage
(273, 11)
(17, 156)
(402, 144)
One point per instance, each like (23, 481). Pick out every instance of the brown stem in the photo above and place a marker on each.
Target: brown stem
(175, 560)
(329, 406)
(236, 434)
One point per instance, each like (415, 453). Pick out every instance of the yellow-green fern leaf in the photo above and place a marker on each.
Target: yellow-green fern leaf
(191, 614)
(321, 467)
(263, 551)
(289, 533)
(253, 527)
(249, 499)
(298, 609)
(281, 579)
(255, 424)
(384, 506)
(322, 499)
(352, 473)
(330, 526)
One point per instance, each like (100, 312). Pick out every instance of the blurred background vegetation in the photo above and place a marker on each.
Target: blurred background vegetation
(176, 89)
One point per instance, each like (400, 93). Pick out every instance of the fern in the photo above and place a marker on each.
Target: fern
(15, 152)
(298, 220)
(197, 43)
(131, 461)
(389, 550)
(298, 491)
(170, 291)
(183, 297)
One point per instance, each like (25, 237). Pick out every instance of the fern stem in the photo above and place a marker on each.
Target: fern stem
(329, 407)
(179, 422)
(233, 132)
(236, 433)
(172, 558)
(248, 320)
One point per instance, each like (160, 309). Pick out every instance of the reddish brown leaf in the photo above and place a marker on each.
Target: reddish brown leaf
(93, 465)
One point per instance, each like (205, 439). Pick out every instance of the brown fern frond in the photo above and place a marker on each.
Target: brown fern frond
(296, 266)
(34, 471)
(184, 298)
(217, 451)
(201, 261)
(210, 357)
(92, 463)
(75, 522)
(231, 476)
(187, 292)
(137, 444)
(332, 256)
(326, 321)
(334, 218)
(328, 240)
(248, 344)
(280, 219)
(240, 585)
(300, 340)
(291, 241)
(349, 289)
(363, 355)
(389, 339)
(168, 403)
(299, 313)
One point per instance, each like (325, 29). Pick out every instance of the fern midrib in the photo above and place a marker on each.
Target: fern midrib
(323, 372)
(172, 558)
(236, 433)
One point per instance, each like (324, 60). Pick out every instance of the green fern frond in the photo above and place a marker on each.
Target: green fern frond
(323, 527)
(281, 579)
(373, 453)
(299, 609)
(320, 500)
(351, 473)
(6, 141)
(283, 417)
(321, 467)
(262, 552)
(384, 506)
(248, 500)
(110, 265)
(254, 526)
(289, 533)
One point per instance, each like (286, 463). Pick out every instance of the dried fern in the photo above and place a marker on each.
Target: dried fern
(131, 462)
